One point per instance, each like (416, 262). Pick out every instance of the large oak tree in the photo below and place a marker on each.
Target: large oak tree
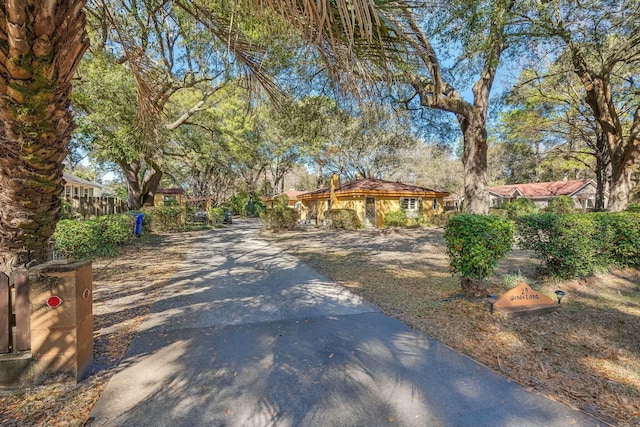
(41, 44)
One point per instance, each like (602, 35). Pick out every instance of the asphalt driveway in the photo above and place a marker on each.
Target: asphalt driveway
(245, 335)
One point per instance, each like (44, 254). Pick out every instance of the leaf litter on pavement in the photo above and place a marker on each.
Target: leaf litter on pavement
(586, 354)
(124, 289)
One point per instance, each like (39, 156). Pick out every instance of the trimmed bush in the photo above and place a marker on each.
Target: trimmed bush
(216, 215)
(344, 218)
(575, 245)
(498, 212)
(76, 239)
(89, 239)
(475, 244)
(166, 218)
(280, 219)
(561, 205)
(395, 219)
(564, 243)
(520, 207)
(115, 229)
(618, 238)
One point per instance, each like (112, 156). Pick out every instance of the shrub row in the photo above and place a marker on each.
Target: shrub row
(93, 238)
(344, 218)
(522, 206)
(166, 218)
(574, 245)
(216, 215)
(395, 219)
(280, 218)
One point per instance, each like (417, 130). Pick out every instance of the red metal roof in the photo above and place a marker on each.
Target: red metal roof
(541, 189)
(291, 195)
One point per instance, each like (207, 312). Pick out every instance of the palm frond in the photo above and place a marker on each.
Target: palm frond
(151, 89)
(249, 54)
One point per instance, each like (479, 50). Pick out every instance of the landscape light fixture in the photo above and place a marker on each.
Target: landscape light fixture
(560, 294)
(492, 300)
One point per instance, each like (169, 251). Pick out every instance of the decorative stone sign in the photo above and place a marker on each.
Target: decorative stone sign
(522, 300)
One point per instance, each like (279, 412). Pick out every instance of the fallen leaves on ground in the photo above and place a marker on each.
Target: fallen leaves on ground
(587, 354)
(124, 289)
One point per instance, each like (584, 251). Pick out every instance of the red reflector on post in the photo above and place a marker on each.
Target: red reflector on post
(54, 301)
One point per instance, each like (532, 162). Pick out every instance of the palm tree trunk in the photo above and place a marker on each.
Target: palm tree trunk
(43, 42)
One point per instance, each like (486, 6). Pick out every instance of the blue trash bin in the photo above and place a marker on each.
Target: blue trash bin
(137, 227)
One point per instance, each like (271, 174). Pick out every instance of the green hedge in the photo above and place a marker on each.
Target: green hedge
(93, 238)
(520, 207)
(395, 219)
(475, 244)
(564, 243)
(574, 245)
(166, 218)
(280, 219)
(216, 215)
(618, 238)
(561, 205)
(344, 218)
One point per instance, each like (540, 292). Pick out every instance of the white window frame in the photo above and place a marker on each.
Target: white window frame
(409, 204)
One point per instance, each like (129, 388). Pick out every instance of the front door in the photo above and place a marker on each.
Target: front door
(312, 211)
(370, 212)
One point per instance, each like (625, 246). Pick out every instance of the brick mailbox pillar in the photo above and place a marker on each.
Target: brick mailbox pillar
(61, 319)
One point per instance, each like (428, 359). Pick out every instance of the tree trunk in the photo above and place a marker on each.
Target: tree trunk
(622, 153)
(601, 172)
(473, 288)
(619, 188)
(474, 158)
(319, 175)
(140, 193)
(43, 42)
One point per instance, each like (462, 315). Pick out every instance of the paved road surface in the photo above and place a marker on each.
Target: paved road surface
(245, 335)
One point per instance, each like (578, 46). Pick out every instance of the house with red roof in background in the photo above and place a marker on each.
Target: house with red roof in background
(292, 195)
(582, 191)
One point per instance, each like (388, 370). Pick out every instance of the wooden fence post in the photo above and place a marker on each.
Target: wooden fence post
(5, 310)
(20, 279)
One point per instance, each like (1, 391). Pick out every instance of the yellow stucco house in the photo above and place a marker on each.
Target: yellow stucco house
(372, 199)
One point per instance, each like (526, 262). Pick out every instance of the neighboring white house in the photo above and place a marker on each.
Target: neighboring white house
(583, 193)
(78, 187)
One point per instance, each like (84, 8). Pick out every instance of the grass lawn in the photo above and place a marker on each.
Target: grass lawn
(587, 354)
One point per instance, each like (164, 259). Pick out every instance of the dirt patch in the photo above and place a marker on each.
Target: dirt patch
(125, 288)
(587, 354)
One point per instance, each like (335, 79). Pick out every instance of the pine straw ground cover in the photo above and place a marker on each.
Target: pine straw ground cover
(124, 289)
(586, 355)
